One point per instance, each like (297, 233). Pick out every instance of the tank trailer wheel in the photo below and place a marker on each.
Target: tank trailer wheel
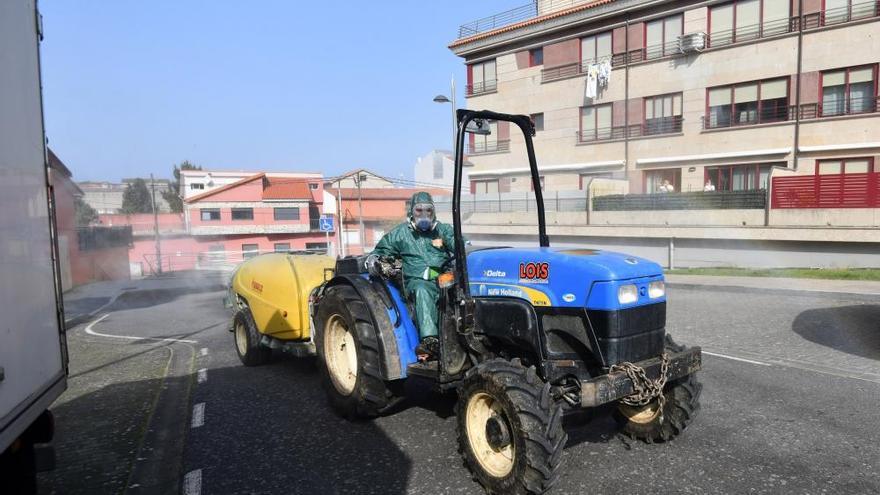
(247, 339)
(651, 424)
(510, 431)
(348, 355)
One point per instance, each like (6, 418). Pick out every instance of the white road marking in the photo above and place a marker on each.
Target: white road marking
(90, 330)
(192, 482)
(759, 363)
(198, 417)
(202, 375)
(203, 351)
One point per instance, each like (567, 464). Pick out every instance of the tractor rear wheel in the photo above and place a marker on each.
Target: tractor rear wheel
(510, 431)
(651, 424)
(348, 353)
(247, 339)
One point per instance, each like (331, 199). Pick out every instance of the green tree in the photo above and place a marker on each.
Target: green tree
(172, 194)
(85, 214)
(137, 198)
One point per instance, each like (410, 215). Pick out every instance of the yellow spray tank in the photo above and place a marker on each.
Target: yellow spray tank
(276, 288)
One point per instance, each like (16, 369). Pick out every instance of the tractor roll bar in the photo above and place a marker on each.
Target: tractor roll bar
(528, 129)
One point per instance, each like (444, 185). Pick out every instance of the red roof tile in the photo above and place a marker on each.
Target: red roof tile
(278, 188)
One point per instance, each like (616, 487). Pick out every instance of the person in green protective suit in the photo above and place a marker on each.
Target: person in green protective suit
(424, 245)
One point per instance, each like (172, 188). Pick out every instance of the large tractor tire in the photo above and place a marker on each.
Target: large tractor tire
(510, 431)
(348, 355)
(649, 423)
(247, 339)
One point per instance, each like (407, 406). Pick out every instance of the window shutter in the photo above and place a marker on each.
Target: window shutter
(865, 74)
(836, 78)
(719, 96)
(774, 89)
(746, 93)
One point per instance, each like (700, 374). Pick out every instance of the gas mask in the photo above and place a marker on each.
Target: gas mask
(423, 217)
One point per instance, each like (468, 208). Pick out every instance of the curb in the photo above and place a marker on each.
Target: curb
(869, 296)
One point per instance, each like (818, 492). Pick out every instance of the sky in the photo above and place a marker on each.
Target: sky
(133, 87)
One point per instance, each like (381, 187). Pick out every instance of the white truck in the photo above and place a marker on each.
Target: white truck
(33, 348)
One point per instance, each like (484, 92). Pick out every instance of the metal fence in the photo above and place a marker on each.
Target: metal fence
(827, 191)
(713, 200)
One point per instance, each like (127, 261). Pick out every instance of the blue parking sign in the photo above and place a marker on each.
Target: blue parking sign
(326, 224)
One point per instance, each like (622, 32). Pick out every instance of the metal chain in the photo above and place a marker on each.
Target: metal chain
(644, 389)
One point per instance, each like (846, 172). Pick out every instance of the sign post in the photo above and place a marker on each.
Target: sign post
(326, 226)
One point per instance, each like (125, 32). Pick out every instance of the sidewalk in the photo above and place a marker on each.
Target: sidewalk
(860, 287)
(84, 301)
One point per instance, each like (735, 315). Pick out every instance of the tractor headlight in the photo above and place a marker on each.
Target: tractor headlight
(627, 294)
(656, 289)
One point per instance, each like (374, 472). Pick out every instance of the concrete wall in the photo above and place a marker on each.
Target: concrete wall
(715, 252)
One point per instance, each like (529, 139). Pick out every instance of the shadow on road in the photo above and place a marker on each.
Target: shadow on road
(145, 298)
(851, 329)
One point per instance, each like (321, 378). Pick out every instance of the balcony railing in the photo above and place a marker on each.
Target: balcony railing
(827, 191)
(849, 106)
(652, 127)
(499, 146)
(481, 87)
(854, 12)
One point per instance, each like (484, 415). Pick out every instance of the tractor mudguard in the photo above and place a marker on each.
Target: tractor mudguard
(510, 322)
(376, 301)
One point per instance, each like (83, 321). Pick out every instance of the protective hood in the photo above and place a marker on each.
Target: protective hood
(423, 222)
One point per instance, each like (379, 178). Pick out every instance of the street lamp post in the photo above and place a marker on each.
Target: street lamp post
(444, 99)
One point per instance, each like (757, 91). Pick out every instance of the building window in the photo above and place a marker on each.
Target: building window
(835, 11)
(536, 57)
(210, 214)
(486, 143)
(282, 247)
(662, 181)
(538, 120)
(242, 213)
(248, 251)
(482, 78)
(744, 20)
(313, 186)
(661, 36)
(663, 114)
(747, 103)
(595, 48)
(845, 166)
(851, 90)
(595, 123)
(286, 213)
(196, 186)
(316, 246)
(739, 177)
(484, 186)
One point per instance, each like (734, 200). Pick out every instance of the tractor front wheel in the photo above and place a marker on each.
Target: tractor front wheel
(348, 353)
(510, 431)
(651, 423)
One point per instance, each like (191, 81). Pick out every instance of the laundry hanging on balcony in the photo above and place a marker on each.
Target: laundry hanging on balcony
(598, 77)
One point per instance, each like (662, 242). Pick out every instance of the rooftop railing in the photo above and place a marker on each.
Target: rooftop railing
(531, 10)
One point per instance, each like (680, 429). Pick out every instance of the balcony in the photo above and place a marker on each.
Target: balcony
(477, 148)
(481, 88)
(652, 127)
(754, 199)
(848, 106)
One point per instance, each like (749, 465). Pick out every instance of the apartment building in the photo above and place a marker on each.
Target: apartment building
(727, 93)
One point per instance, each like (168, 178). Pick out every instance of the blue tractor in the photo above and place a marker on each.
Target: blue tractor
(526, 334)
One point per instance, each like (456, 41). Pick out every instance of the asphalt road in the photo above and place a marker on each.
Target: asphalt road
(789, 405)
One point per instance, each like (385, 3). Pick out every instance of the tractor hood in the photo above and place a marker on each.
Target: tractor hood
(562, 277)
